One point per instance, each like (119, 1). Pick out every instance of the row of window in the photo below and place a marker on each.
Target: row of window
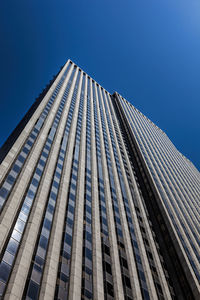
(105, 242)
(62, 286)
(87, 283)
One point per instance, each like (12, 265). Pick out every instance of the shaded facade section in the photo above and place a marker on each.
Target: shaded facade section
(155, 190)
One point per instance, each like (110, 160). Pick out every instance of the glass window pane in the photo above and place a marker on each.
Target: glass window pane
(4, 271)
(12, 246)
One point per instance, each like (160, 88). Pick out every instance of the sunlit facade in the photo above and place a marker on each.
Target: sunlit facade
(95, 201)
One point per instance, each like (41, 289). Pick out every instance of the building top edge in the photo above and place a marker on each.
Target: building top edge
(69, 60)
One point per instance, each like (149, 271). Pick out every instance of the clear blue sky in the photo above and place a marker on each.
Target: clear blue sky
(149, 51)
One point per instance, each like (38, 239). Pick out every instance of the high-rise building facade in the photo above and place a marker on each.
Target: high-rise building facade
(95, 201)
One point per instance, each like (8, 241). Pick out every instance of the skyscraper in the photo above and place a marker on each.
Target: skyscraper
(95, 201)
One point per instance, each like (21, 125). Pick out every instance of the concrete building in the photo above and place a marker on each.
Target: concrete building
(95, 201)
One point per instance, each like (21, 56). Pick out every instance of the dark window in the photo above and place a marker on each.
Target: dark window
(159, 288)
(39, 261)
(108, 268)
(3, 192)
(68, 239)
(10, 179)
(35, 182)
(16, 168)
(124, 263)
(4, 271)
(127, 282)
(21, 158)
(33, 290)
(53, 195)
(38, 171)
(107, 250)
(43, 242)
(150, 255)
(109, 288)
(47, 224)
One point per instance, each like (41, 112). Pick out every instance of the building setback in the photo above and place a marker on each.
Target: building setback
(95, 201)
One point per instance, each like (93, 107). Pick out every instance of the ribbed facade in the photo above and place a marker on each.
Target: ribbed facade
(96, 202)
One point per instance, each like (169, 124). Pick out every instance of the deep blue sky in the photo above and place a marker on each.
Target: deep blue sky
(149, 51)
